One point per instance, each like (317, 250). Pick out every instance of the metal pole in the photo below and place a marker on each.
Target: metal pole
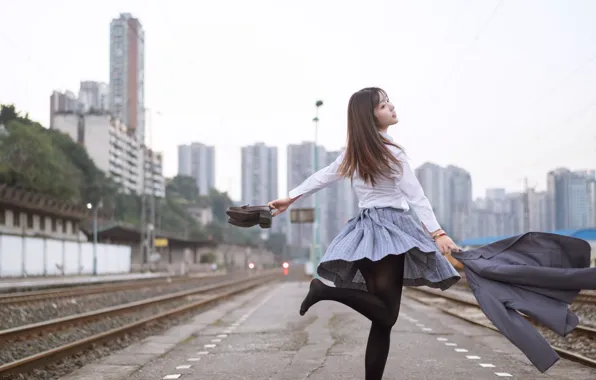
(144, 257)
(526, 227)
(95, 209)
(152, 178)
(143, 216)
(315, 255)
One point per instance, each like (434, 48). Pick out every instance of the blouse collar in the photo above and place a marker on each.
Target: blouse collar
(386, 135)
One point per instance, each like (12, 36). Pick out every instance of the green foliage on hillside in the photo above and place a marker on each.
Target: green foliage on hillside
(50, 162)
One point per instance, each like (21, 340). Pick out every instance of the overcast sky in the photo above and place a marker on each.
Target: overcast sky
(504, 89)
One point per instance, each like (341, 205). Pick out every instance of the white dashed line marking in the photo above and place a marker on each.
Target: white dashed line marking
(224, 335)
(445, 341)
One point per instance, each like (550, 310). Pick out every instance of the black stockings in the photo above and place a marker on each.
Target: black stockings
(380, 304)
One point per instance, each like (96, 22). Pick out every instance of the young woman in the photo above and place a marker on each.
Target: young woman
(383, 248)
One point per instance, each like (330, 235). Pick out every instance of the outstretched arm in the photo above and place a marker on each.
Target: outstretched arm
(318, 180)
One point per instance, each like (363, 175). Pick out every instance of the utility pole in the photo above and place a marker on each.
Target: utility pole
(152, 179)
(315, 256)
(143, 211)
(526, 206)
(144, 234)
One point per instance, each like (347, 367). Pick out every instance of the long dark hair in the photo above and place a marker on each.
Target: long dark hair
(367, 153)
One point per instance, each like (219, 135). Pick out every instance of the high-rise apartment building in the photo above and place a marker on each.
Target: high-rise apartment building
(449, 191)
(341, 204)
(127, 73)
(433, 179)
(300, 165)
(259, 174)
(337, 203)
(94, 97)
(61, 102)
(116, 152)
(569, 198)
(198, 161)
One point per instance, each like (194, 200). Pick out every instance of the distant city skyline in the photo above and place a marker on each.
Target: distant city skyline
(506, 92)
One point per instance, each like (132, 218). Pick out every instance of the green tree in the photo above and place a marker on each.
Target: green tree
(219, 204)
(30, 160)
(50, 162)
(184, 187)
(8, 113)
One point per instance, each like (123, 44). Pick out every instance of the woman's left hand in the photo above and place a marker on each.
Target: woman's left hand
(446, 245)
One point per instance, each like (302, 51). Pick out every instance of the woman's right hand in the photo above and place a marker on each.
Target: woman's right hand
(280, 205)
(446, 245)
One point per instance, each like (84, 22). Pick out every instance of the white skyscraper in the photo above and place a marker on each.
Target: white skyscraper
(198, 161)
(338, 202)
(94, 96)
(449, 191)
(569, 198)
(116, 152)
(259, 174)
(300, 165)
(433, 179)
(127, 72)
(341, 204)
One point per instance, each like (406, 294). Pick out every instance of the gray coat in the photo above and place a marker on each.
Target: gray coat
(536, 273)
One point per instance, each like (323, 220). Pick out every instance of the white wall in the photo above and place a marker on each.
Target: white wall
(97, 140)
(67, 123)
(29, 256)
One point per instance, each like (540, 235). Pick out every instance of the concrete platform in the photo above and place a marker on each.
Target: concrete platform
(260, 335)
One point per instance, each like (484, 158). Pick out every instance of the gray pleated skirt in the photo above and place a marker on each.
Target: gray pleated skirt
(376, 233)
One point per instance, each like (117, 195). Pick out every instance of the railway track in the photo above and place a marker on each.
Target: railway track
(23, 341)
(63, 292)
(463, 305)
(585, 296)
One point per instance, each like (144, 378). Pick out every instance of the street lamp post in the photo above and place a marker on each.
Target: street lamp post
(315, 254)
(95, 210)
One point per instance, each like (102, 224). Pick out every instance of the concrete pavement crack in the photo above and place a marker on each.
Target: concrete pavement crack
(322, 362)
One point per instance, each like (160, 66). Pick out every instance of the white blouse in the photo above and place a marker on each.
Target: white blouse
(401, 191)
